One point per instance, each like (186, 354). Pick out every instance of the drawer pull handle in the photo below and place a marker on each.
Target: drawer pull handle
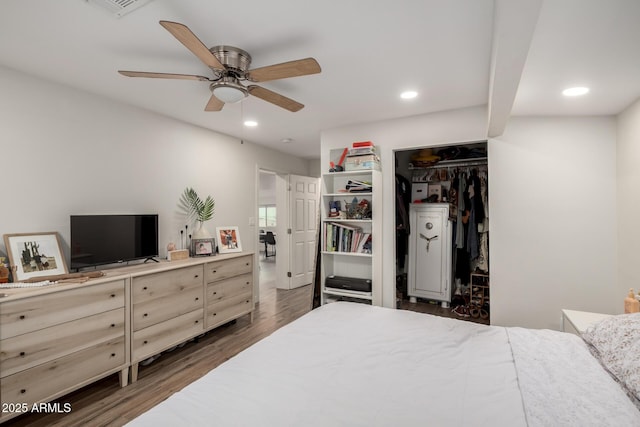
(215, 293)
(196, 276)
(22, 354)
(113, 325)
(23, 391)
(145, 315)
(197, 298)
(215, 314)
(113, 295)
(247, 301)
(247, 283)
(113, 355)
(247, 264)
(144, 289)
(197, 321)
(22, 317)
(145, 342)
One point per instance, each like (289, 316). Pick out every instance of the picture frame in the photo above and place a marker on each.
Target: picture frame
(229, 238)
(203, 247)
(33, 255)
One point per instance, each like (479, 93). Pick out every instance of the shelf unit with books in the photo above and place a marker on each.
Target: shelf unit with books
(351, 231)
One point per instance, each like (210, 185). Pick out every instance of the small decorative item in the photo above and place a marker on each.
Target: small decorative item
(197, 209)
(4, 271)
(35, 255)
(229, 238)
(203, 247)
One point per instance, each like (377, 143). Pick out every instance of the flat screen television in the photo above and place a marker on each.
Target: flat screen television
(109, 239)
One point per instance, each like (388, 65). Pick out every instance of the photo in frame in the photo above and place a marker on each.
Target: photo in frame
(33, 255)
(229, 239)
(203, 247)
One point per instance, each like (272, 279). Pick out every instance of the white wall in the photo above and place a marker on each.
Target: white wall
(628, 179)
(552, 203)
(441, 128)
(552, 212)
(68, 152)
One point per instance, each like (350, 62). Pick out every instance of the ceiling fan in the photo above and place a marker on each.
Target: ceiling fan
(230, 66)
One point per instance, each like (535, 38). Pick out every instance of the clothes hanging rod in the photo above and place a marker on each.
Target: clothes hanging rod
(454, 164)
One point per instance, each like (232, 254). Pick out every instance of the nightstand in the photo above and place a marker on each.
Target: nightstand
(576, 322)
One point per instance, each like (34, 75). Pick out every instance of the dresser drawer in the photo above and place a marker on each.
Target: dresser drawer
(218, 291)
(42, 311)
(154, 339)
(158, 310)
(228, 309)
(28, 350)
(166, 283)
(42, 382)
(218, 270)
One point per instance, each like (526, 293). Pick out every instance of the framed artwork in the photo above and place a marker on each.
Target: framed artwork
(229, 238)
(203, 247)
(35, 255)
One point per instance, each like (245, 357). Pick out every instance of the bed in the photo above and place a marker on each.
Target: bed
(348, 364)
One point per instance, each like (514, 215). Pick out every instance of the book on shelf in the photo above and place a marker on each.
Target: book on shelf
(340, 237)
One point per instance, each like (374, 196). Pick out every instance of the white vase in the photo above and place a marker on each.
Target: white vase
(200, 232)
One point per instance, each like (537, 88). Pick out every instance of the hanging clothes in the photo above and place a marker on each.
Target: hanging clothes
(403, 199)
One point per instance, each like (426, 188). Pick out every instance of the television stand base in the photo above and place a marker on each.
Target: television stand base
(150, 259)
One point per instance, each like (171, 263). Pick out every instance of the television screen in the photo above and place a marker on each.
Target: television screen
(107, 239)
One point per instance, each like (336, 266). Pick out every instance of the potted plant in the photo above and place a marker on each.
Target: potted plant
(197, 209)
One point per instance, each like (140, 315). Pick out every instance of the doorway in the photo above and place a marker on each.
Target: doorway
(287, 216)
(267, 222)
(452, 179)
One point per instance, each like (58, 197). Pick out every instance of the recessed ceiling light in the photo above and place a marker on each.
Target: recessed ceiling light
(287, 140)
(410, 94)
(251, 123)
(575, 91)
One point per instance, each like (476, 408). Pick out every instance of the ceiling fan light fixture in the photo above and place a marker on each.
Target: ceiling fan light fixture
(251, 123)
(229, 94)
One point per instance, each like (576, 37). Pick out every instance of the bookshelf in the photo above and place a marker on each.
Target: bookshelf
(351, 233)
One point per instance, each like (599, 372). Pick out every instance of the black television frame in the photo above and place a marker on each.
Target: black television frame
(104, 224)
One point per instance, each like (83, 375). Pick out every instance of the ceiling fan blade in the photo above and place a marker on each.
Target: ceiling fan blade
(275, 98)
(163, 75)
(214, 104)
(301, 67)
(193, 43)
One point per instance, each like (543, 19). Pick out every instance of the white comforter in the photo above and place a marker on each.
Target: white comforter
(348, 364)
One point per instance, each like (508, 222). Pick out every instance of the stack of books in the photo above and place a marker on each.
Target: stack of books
(345, 238)
(362, 156)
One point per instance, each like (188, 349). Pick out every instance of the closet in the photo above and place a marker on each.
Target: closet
(442, 229)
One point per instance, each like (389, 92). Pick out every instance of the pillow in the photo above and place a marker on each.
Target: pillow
(615, 341)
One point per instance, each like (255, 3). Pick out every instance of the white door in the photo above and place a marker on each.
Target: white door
(303, 216)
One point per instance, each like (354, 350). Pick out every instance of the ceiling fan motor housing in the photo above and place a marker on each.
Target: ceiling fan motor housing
(234, 59)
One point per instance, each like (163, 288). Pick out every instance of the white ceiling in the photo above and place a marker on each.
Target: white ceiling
(369, 52)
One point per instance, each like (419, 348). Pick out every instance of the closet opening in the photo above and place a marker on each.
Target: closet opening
(442, 231)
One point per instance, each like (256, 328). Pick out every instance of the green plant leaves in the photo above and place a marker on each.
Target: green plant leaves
(194, 207)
